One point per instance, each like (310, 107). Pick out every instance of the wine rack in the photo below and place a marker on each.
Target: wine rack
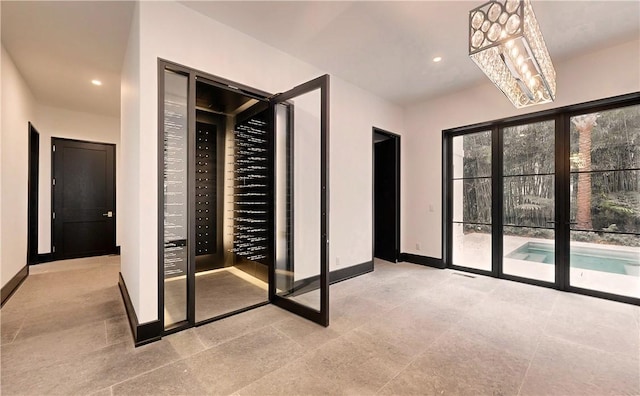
(251, 192)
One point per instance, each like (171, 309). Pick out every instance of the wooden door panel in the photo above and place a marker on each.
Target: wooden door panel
(83, 198)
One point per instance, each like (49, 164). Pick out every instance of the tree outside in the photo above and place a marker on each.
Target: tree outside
(604, 187)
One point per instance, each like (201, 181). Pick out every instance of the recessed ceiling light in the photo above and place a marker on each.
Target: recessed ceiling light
(96, 82)
(437, 59)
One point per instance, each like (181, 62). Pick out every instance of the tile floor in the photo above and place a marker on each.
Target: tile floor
(403, 329)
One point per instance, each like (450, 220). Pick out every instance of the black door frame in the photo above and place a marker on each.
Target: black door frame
(562, 117)
(193, 75)
(32, 195)
(397, 186)
(321, 317)
(57, 255)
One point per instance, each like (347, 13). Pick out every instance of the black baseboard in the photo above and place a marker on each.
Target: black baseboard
(302, 286)
(422, 260)
(15, 282)
(49, 257)
(350, 272)
(142, 333)
(44, 258)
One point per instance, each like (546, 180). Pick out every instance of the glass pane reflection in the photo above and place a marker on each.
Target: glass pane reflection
(298, 270)
(175, 198)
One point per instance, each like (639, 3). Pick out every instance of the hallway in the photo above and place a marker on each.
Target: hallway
(403, 329)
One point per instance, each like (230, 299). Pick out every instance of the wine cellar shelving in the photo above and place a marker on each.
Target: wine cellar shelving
(251, 190)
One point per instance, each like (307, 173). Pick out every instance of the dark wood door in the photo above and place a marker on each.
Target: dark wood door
(83, 190)
(386, 214)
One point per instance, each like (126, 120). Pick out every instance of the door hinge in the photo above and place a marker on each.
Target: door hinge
(54, 249)
(54, 148)
(54, 215)
(53, 181)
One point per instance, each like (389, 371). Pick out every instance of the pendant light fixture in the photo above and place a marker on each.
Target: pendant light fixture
(506, 43)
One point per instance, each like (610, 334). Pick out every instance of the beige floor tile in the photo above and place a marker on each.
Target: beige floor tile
(412, 328)
(53, 347)
(102, 392)
(562, 368)
(9, 329)
(403, 329)
(296, 378)
(89, 372)
(527, 296)
(173, 379)
(306, 333)
(118, 329)
(235, 326)
(460, 366)
(358, 363)
(186, 343)
(60, 317)
(235, 364)
(511, 327)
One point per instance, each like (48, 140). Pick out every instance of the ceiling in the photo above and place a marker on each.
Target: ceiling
(59, 47)
(385, 47)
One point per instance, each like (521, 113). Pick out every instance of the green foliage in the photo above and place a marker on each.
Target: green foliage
(617, 211)
(529, 194)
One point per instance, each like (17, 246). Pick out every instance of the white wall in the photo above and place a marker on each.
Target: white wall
(171, 31)
(18, 108)
(604, 73)
(129, 159)
(62, 123)
(2, 53)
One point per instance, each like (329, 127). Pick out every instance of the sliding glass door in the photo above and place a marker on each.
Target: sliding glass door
(528, 200)
(471, 183)
(605, 201)
(551, 199)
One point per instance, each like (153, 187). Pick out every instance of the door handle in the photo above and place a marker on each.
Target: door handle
(108, 214)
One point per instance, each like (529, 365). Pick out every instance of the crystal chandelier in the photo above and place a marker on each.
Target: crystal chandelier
(506, 43)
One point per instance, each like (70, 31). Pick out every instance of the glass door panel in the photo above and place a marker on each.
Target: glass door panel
(176, 215)
(529, 201)
(300, 274)
(471, 228)
(605, 201)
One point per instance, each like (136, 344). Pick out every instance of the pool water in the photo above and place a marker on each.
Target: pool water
(590, 258)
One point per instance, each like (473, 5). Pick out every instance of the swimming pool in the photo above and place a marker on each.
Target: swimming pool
(592, 258)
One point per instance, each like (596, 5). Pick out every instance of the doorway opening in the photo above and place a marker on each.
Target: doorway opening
(386, 195)
(32, 212)
(83, 192)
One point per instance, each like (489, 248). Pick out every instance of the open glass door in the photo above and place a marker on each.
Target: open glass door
(299, 279)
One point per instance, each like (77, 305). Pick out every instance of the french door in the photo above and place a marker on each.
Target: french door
(551, 199)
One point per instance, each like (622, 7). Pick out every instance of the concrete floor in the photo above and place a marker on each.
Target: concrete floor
(403, 329)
